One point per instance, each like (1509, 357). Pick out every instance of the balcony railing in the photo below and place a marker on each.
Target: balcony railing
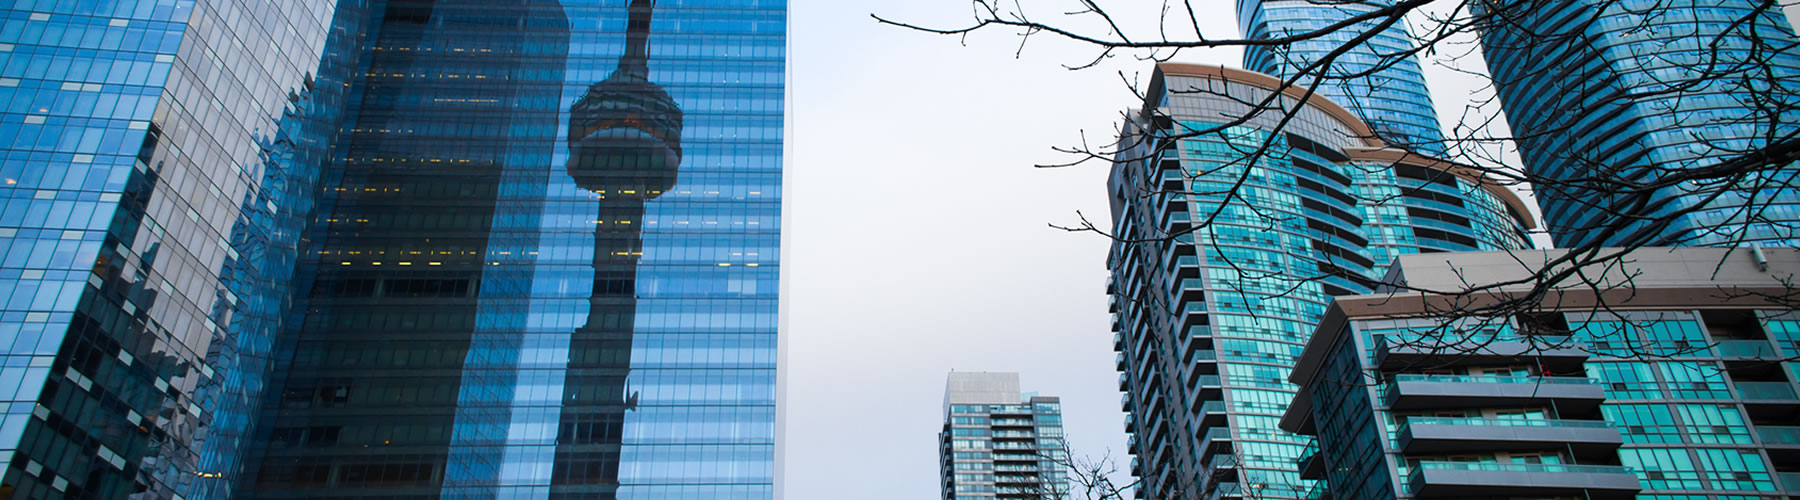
(1778, 435)
(1508, 422)
(1508, 467)
(1488, 379)
(1319, 491)
(1781, 391)
(1790, 481)
(1753, 349)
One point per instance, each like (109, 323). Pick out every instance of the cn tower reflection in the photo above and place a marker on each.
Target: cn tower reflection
(625, 147)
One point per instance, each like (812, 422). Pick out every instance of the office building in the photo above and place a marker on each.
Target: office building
(1598, 91)
(1681, 386)
(1208, 319)
(998, 443)
(1375, 79)
(157, 171)
(399, 249)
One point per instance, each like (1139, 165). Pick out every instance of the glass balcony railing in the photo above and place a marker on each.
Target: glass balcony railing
(1489, 379)
(1199, 331)
(1790, 481)
(1508, 422)
(1318, 491)
(1777, 434)
(1421, 467)
(1209, 380)
(1212, 407)
(1782, 391)
(1753, 349)
(1307, 453)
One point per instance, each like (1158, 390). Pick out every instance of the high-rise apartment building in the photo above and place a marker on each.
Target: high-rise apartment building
(1374, 79)
(998, 443)
(396, 249)
(1210, 318)
(1681, 386)
(1617, 90)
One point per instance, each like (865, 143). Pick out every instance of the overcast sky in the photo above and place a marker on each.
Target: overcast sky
(919, 242)
(919, 239)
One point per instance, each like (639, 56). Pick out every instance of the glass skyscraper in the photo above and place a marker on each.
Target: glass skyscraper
(396, 249)
(1216, 285)
(1600, 90)
(1686, 392)
(1372, 79)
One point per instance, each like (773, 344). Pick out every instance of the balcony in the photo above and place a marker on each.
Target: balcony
(1205, 387)
(1312, 463)
(1193, 313)
(1455, 479)
(1782, 443)
(1555, 353)
(1432, 435)
(1204, 361)
(1571, 395)
(1790, 481)
(1212, 414)
(1193, 289)
(1216, 440)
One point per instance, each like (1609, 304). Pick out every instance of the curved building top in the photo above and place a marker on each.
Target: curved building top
(1359, 141)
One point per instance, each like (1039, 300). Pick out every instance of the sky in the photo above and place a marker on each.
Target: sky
(919, 239)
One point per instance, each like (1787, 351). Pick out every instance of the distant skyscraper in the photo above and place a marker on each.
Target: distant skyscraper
(1217, 313)
(1684, 388)
(998, 443)
(397, 249)
(1393, 100)
(1617, 91)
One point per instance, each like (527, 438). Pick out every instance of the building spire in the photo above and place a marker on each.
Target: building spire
(636, 60)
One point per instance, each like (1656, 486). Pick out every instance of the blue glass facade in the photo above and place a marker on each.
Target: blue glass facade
(156, 174)
(398, 249)
(1209, 318)
(1615, 90)
(1687, 395)
(1377, 79)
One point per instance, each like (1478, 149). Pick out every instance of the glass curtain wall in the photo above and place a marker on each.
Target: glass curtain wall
(550, 260)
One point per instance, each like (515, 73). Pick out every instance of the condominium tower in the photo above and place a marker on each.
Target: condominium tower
(998, 443)
(394, 249)
(1377, 79)
(1681, 386)
(1226, 261)
(1598, 91)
